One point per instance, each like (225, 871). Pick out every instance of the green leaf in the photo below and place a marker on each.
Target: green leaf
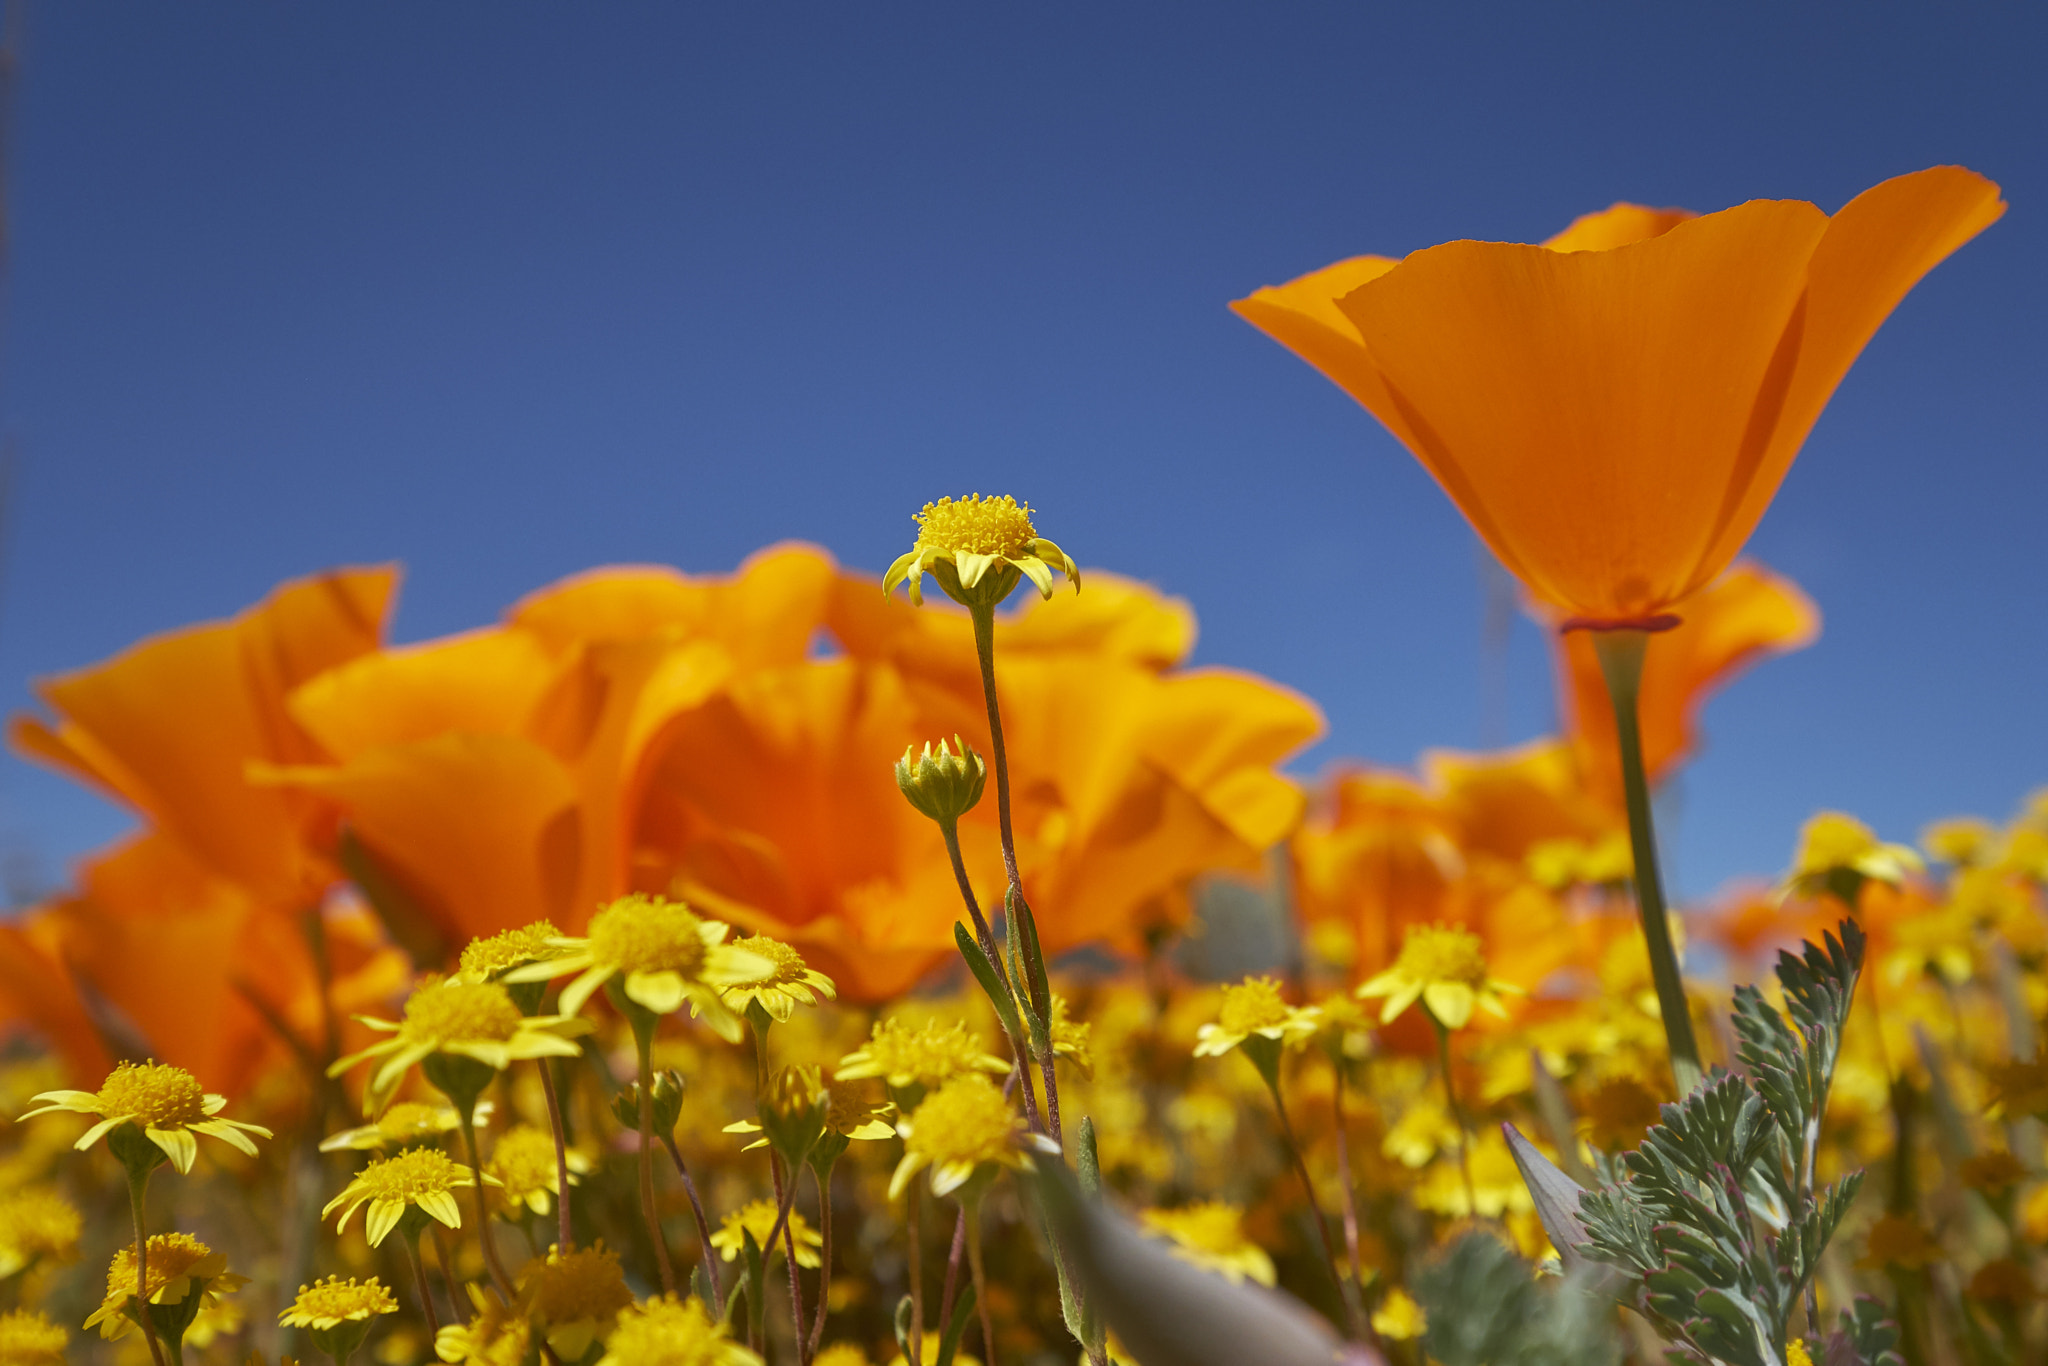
(997, 989)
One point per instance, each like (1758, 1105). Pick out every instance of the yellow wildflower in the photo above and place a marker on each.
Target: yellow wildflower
(841, 1354)
(978, 548)
(2018, 1088)
(327, 1303)
(1838, 854)
(904, 1056)
(418, 1178)
(164, 1102)
(403, 1124)
(661, 953)
(489, 958)
(1254, 1008)
(452, 1018)
(179, 1265)
(1070, 1038)
(576, 1297)
(1796, 1353)
(758, 1218)
(1560, 864)
(962, 1128)
(666, 1331)
(1399, 1317)
(1444, 966)
(36, 1225)
(788, 984)
(28, 1338)
(1963, 841)
(1211, 1235)
(522, 1162)
(496, 1335)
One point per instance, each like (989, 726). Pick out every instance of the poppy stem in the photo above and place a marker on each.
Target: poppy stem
(1620, 653)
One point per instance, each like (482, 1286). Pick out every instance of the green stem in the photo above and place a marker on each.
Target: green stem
(644, 1041)
(420, 1287)
(1347, 1290)
(823, 1178)
(1620, 653)
(566, 1231)
(464, 1108)
(1443, 1062)
(913, 1214)
(138, 1187)
(972, 1209)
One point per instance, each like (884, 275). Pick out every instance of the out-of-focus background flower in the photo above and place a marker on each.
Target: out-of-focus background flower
(504, 294)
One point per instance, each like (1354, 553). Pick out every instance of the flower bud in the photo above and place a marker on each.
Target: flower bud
(793, 1110)
(943, 783)
(668, 1102)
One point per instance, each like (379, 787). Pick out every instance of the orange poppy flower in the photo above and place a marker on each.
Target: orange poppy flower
(1749, 614)
(170, 726)
(1501, 805)
(1614, 409)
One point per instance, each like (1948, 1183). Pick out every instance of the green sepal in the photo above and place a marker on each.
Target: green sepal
(755, 1283)
(901, 1323)
(135, 1150)
(949, 1341)
(341, 1341)
(460, 1079)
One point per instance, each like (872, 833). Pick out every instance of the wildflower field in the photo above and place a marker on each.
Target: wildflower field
(799, 965)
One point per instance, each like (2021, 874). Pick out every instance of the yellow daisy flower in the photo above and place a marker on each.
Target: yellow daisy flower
(1254, 1008)
(758, 1218)
(1211, 1235)
(1070, 1038)
(905, 1056)
(403, 1124)
(575, 1297)
(978, 548)
(964, 1127)
(28, 1338)
(497, 1334)
(842, 1354)
(487, 959)
(164, 1102)
(1445, 967)
(662, 954)
(1838, 854)
(666, 1331)
(522, 1162)
(1399, 1317)
(790, 984)
(337, 1313)
(418, 1178)
(36, 1225)
(179, 1265)
(451, 1018)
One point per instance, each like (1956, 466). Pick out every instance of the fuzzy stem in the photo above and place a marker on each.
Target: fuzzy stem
(1354, 1312)
(984, 936)
(643, 1039)
(823, 1179)
(566, 1228)
(972, 1212)
(708, 1254)
(1443, 1062)
(419, 1283)
(1344, 1169)
(499, 1280)
(138, 1187)
(952, 1289)
(1620, 653)
(913, 1214)
(785, 1199)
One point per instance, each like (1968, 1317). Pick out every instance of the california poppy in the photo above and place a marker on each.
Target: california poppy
(1614, 409)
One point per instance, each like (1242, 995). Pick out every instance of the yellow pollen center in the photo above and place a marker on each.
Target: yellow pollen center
(529, 944)
(157, 1096)
(975, 525)
(966, 1120)
(789, 964)
(1442, 953)
(460, 1012)
(1251, 1005)
(668, 1332)
(524, 1159)
(335, 1298)
(171, 1255)
(409, 1175)
(640, 934)
(585, 1284)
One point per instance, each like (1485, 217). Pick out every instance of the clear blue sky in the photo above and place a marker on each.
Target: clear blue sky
(508, 290)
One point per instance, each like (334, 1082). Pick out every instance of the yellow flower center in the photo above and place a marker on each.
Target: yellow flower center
(789, 964)
(966, 1120)
(460, 1012)
(171, 1255)
(1252, 1005)
(335, 1298)
(524, 1160)
(26, 1336)
(641, 934)
(156, 1096)
(1443, 953)
(584, 1284)
(408, 1175)
(529, 944)
(975, 525)
(665, 1332)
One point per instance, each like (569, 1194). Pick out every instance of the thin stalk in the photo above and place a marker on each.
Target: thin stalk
(914, 1216)
(1344, 1169)
(1621, 664)
(1019, 1050)
(1443, 1062)
(953, 1271)
(972, 1210)
(566, 1231)
(823, 1181)
(450, 1282)
(1354, 1312)
(796, 1285)
(419, 1282)
(644, 1039)
(499, 1280)
(138, 1187)
(710, 1257)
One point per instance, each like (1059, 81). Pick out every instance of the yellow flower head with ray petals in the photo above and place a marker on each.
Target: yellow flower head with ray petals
(963, 1128)
(178, 1265)
(36, 1225)
(28, 1338)
(165, 1103)
(522, 1161)
(575, 1296)
(1211, 1235)
(449, 1017)
(665, 1331)
(792, 983)
(403, 1124)
(758, 1218)
(662, 954)
(906, 1056)
(418, 1178)
(1445, 967)
(333, 1301)
(978, 549)
(1254, 1008)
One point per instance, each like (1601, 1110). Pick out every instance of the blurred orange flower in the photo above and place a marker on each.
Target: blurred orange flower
(1614, 409)
(1748, 614)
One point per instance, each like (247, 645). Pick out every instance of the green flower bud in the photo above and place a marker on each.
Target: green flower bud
(668, 1102)
(943, 783)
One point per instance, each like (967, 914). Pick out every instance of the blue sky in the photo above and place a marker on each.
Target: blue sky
(506, 291)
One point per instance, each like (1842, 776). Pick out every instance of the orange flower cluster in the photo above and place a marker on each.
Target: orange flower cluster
(726, 740)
